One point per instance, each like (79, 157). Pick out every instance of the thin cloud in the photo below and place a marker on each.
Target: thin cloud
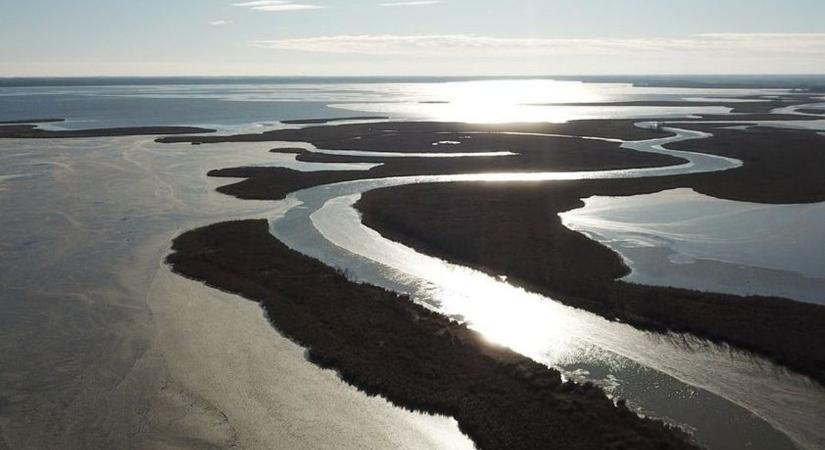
(218, 23)
(473, 45)
(417, 3)
(276, 5)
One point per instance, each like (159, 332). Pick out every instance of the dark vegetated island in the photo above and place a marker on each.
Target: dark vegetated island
(20, 131)
(803, 84)
(812, 111)
(534, 153)
(341, 137)
(329, 120)
(385, 344)
(779, 165)
(742, 118)
(29, 121)
(514, 229)
(752, 106)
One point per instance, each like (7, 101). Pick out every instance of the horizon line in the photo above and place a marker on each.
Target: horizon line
(727, 74)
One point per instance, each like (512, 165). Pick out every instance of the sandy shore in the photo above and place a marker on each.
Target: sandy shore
(235, 381)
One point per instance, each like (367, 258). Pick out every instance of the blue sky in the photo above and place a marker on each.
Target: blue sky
(448, 37)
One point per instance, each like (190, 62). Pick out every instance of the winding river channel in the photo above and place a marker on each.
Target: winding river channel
(727, 398)
(102, 346)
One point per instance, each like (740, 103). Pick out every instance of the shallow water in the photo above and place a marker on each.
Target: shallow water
(101, 346)
(685, 239)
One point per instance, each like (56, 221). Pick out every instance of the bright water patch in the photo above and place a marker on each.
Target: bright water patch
(684, 239)
(101, 346)
(223, 103)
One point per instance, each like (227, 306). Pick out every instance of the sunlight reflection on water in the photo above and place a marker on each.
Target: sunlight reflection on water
(499, 101)
(712, 244)
(712, 388)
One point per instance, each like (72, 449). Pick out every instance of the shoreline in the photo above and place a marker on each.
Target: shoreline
(27, 129)
(256, 386)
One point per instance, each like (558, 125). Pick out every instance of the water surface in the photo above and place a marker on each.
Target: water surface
(685, 239)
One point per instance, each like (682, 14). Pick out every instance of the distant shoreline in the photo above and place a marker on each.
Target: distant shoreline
(802, 82)
(332, 119)
(27, 129)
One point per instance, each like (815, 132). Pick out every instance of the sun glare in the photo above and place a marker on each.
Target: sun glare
(505, 100)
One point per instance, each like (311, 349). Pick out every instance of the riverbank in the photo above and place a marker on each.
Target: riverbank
(386, 344)
(26, 129)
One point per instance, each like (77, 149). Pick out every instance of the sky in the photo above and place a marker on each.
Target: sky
(398, 37)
